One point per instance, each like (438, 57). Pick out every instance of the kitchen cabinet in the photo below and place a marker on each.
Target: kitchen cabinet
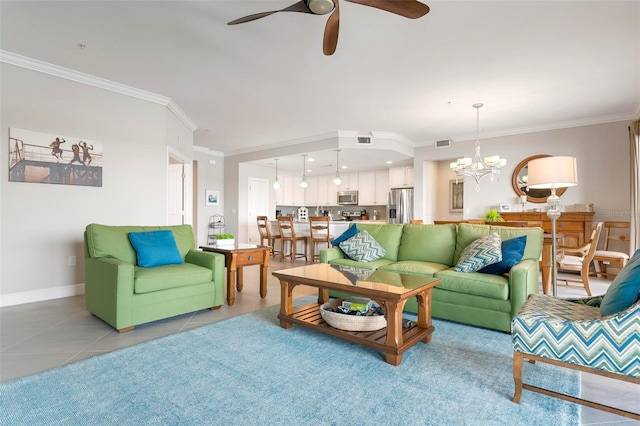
(401, 177)
(350, 182)
(575, 226)
(292, 192)
(312, 192)
(367, 191)
(382, 188)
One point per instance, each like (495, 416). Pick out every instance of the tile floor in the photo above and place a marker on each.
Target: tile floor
(39, 336)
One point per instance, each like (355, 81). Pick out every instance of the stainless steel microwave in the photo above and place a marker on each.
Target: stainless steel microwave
(348, 198)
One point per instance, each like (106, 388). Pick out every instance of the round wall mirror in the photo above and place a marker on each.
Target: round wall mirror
(519, 182)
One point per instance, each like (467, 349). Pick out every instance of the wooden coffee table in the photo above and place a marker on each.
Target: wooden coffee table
(390, 290)
(237, 256)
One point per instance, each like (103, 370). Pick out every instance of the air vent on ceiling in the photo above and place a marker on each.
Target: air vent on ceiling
(444, 143)
(363, 140)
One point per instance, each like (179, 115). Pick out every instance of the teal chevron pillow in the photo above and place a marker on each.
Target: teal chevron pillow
(482, 252)
(362, 247)
(624, 291)
(155, 248)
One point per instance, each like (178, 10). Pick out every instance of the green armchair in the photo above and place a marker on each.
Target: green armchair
(124, 295)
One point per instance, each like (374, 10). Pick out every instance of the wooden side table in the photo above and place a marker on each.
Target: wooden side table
(236, 257)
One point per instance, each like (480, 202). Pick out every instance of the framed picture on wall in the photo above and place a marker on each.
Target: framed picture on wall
(456, 196)
(212, 197)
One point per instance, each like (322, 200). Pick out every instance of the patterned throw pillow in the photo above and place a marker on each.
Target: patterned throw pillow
(362, 247)
(480, 253)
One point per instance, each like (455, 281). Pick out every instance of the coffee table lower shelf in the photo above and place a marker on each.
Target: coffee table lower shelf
(309, 316)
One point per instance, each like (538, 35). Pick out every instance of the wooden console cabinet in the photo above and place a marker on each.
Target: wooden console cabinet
(576, 226)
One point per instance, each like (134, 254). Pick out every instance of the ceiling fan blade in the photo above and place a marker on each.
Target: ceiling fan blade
(330, 41)
(301, 6)
(408, 8)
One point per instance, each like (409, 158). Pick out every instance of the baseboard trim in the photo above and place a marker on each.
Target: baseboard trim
(22, 297)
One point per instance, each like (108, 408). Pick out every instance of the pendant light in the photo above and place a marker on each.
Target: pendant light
(303, 182)
(276, 183)
(337, 180)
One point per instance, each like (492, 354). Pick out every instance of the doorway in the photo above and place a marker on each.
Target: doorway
(258, 205)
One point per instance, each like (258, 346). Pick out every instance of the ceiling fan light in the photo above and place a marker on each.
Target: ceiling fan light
(321, 7)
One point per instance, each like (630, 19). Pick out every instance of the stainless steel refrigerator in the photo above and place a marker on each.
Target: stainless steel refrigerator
(400, 205)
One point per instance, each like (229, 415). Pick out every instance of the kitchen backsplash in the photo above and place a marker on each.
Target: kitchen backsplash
(336, 211)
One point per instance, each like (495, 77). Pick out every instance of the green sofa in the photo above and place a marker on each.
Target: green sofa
(475, 298)
(125, 295)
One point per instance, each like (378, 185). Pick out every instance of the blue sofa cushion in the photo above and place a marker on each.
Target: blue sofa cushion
(155, 248)
(624, 291)
(482, 252)
(512, 252)
(362, 247)
(350, 232)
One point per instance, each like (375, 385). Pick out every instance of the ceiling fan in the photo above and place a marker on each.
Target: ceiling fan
(408, 8)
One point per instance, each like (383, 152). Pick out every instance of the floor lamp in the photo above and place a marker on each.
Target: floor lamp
(553, 173)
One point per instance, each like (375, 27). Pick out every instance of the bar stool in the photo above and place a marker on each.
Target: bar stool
(288, 235)
(264, 227)
(319, 227)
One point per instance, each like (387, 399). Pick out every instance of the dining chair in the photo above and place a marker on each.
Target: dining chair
(319, 233)
(288, 235)
(605, 257)
(578, 259)
(267, 238)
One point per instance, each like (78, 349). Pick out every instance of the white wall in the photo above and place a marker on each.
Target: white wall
(602, 153)
(42, 224)
(210, 176)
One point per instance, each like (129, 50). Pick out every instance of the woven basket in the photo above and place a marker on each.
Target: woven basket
(351, 322)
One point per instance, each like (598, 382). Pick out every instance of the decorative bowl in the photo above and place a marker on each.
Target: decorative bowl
(351, 322)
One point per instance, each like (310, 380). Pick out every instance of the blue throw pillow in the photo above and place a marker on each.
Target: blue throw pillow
(350, 232)
(512, 252)
(362, 247)
(155, 248)
(624, 291)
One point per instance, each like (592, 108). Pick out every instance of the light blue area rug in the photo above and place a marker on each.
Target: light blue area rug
(248, 370)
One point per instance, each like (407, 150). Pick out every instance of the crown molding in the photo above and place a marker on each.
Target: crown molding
(284, 144)
(545, 127)
(90, 80)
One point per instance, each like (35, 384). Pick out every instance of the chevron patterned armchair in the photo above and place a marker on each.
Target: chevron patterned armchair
(598, 335)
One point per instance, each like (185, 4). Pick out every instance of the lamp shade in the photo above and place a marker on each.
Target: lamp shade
(552, 172)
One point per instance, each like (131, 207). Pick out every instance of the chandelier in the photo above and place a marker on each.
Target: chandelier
(477, 168)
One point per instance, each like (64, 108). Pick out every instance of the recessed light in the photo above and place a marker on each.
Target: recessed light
(311, 160)
(389, 162)
(343, 167)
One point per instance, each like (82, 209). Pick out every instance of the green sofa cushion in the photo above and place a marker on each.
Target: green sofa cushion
(414, 267)
(388, 236)
(113, 241)
(476, 283)
(430, 243)
(147, 280)
(468, 233)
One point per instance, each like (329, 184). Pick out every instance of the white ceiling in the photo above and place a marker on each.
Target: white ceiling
(534, 64)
